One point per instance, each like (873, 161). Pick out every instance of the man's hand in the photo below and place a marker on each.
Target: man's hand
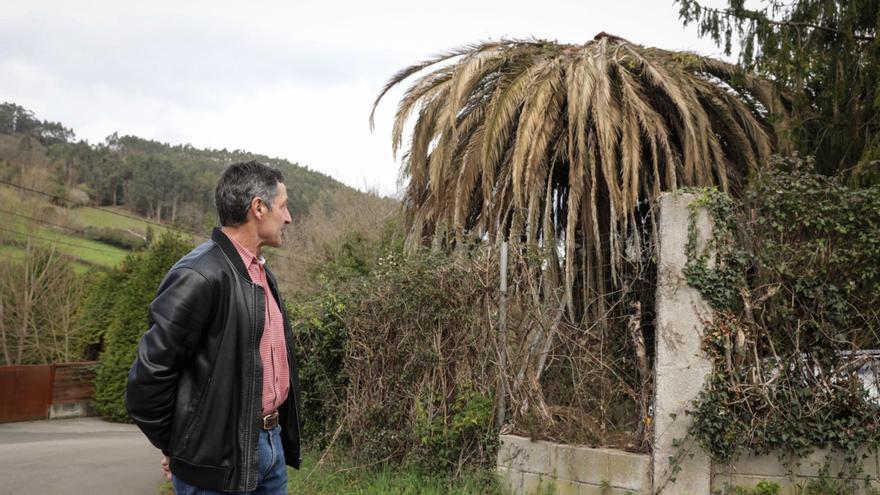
(166, 468)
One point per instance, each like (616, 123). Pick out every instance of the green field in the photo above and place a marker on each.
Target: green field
(85, 251)
(50, 225)
(112, 218)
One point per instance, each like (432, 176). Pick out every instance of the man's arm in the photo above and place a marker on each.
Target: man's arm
(179, 314)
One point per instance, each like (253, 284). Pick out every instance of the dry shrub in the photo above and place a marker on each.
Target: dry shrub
(27, 162)
(39, 304)
(579, 378)
(420, 364)
(433, 373)
(336, 213)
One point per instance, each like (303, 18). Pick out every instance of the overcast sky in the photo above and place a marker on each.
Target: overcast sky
(290, 79)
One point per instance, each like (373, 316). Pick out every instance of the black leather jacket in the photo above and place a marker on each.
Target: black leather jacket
(195, 388)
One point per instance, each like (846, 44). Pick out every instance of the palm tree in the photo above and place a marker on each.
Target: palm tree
(563, 146)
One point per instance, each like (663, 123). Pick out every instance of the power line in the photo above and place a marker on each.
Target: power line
(71, 244)
(101, 208)
(71, 229)
(57, 241)
(133, 217)
(80, 246)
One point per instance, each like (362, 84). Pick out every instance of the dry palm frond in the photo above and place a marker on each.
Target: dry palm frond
(562, 145)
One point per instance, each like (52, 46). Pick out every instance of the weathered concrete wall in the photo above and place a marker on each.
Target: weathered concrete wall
(791, 475)
(680, 371)
(72, 410)
(526, 467)
(677, 465)
(680, 366)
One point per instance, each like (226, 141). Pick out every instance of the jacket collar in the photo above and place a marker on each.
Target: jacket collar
(229, 250)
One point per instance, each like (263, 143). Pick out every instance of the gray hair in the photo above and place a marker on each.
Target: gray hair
(239, 184)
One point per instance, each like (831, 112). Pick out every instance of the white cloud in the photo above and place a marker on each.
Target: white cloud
(289, 79)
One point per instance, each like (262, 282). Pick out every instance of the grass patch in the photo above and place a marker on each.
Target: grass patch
(103, 218)
(86, 250)
(87, 253)
(11, 253)
(338, 477)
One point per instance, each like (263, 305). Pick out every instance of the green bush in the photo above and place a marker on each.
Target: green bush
(393, 360)
(321, 336)
(97, 308)
(444, 442)
(116, 237)
(129, 320)
(320, 329)
(763, 487)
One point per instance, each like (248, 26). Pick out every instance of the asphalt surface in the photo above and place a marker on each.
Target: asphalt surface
(77, 456)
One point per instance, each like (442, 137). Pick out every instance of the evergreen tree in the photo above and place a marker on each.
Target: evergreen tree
(129, 321)
(826, 53)
(97, 311)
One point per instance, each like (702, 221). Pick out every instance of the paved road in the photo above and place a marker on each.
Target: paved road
(77, 456)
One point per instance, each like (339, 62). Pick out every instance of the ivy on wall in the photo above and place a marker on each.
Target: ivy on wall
(793, 275)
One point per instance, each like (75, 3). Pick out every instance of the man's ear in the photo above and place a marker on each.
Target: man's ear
(257, 207)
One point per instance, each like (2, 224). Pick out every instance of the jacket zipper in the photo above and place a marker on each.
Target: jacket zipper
(250, 425)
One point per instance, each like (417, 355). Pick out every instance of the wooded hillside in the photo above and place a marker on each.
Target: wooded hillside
(170, 183)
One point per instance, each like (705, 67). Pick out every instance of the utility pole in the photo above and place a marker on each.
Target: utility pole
(502, 338)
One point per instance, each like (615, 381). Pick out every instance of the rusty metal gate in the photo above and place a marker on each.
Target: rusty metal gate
(28, 392)
(25, 392)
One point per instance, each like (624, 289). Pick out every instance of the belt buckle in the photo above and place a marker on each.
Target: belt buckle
(270, 420)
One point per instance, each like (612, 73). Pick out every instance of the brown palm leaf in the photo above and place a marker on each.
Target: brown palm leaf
(563, 145)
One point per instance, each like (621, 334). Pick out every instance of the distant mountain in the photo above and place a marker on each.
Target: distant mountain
(163, 182)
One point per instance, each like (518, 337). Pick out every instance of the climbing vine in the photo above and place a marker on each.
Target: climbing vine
(792, 272)
(716, 269)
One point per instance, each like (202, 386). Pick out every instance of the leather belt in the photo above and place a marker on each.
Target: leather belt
(270, 420)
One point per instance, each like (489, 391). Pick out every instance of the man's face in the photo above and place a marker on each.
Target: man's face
(275, 219)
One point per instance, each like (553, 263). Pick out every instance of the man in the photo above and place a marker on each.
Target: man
(214, 384)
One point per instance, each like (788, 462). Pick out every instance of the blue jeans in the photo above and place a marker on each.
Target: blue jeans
(273, 470)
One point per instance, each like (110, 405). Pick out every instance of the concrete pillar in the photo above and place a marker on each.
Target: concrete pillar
(680, 466)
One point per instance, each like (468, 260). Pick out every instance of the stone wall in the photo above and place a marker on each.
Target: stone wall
(527, 467)
(791, 475)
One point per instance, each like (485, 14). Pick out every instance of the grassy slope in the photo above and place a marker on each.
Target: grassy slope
(38, 167)
(81, 249)
(87, 254)
(104, 218)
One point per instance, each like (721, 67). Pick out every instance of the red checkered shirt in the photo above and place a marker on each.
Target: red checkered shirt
(273, 348)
